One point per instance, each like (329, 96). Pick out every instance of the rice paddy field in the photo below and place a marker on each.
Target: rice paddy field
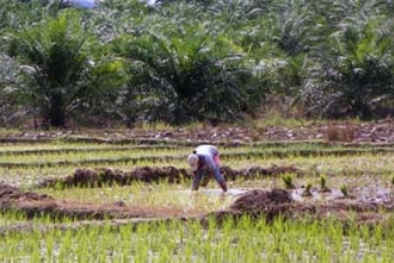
(115, 200)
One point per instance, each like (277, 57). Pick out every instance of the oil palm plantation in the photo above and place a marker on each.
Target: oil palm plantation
(62, 65)
(186, 75)
(356, 73)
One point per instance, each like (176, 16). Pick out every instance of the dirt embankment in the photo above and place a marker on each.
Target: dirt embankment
(10, 193)
(86, 177)
(372, 132)
(279, 203)
(255, 203)
(33, 205)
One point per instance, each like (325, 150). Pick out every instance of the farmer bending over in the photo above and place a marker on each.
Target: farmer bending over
(204, 162)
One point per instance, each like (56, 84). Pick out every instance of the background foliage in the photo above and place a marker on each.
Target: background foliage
(180, 61)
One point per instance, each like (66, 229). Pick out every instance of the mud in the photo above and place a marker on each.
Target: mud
(10, 193)
(279, 203)
(268, 204)
(258, 200)
(86, 177)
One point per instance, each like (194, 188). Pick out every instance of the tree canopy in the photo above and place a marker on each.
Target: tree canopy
(181, 61)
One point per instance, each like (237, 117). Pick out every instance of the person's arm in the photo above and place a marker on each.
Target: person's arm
(197, 178)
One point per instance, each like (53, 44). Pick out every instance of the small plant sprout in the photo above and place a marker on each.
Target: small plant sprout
(307, 191)
(344, 190)
(288, 180)
(323, 184)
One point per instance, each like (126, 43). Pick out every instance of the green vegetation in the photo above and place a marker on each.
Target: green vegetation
(24, 164)
(191, 62)
(344, 190)
(288, 181)
(183, 61)
(307, 191)
(65, 239)
(246, 241)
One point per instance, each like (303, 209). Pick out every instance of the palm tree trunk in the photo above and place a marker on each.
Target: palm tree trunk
(56, 114)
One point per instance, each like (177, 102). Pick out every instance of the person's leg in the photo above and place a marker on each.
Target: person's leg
(223, 185)
(196, 180)
(221, 181)
(206, 178)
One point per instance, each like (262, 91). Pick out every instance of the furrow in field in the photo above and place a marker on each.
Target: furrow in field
(187, 142)
(154, 158)
(82, 149)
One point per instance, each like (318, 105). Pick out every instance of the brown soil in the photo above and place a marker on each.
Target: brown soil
(278, 203)
(373, 132)
(255, 203)
(86, 177)
(258, 200)
(10, 193)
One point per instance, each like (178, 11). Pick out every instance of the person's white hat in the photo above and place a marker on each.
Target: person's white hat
(192, 159)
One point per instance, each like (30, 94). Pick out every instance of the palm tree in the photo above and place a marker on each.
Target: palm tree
(186, 75)
(357, 70)
(62, 65)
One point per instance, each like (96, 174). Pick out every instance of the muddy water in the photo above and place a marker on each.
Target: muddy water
(231, 192)
(299, 194)
(209, 197)
(372, 193)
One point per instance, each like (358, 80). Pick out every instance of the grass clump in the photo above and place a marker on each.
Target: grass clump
(288, 181)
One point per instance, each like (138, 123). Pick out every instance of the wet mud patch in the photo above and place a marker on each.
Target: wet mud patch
(86, 177)
(10, 193)
(256, 203)
(280, 203)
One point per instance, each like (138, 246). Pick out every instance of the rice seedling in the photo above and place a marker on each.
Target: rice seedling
(307, 191)
(344, 190)
(323, 184)
(243, 240)
(288, 181)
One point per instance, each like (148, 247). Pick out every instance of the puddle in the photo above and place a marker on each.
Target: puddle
(374, 193)
(210, 198)
(218, 192)
(298, 195)
(211, 192)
